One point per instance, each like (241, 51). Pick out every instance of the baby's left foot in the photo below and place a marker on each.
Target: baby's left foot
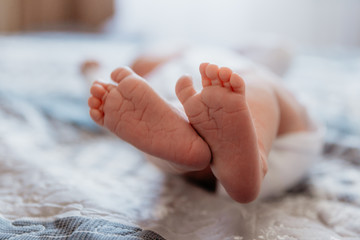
(134, 112)
(220, 114)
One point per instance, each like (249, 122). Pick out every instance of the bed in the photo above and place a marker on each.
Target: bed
(62, 177)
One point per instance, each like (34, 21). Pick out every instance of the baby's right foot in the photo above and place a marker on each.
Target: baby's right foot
(220, 114)
(134, 112)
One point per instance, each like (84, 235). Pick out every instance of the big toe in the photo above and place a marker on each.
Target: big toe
(184, 88)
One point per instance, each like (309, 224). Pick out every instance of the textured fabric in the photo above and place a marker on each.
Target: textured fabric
(50, 168)
(73, 228)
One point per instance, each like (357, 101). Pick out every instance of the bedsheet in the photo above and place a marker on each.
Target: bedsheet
(63, 177)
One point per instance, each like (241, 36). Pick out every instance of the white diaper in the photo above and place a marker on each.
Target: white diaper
(291, 157)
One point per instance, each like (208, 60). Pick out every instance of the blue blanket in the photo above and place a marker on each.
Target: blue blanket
(72, 228)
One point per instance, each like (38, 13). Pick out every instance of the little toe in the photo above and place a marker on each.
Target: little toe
(98, 90)
(224, 75)
(204, 79)
(94, 102)
(120, 73)
(184, 89)
(212, 72)
(237, 83)
(97, 116)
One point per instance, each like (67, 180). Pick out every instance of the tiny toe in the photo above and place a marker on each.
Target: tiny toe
(237, 83)
(204, 79)
(94, 102)
(120, 73)
(202, 68)
(212, 72)
(98, 90)
(224, 75)
(184, 89)
(97, 116)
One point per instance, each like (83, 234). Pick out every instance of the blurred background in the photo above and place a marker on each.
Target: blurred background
(56, 162)
(313, 45)
(318, 23)
(307, 22)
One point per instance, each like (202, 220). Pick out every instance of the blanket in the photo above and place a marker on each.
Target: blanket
(63, 177)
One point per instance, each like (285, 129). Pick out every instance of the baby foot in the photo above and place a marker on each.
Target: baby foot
(134, 112)
(220, 114)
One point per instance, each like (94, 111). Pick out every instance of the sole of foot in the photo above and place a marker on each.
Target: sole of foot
(220, 114)
(132, 110)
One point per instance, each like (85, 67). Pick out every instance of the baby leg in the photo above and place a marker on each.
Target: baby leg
(239, 127)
